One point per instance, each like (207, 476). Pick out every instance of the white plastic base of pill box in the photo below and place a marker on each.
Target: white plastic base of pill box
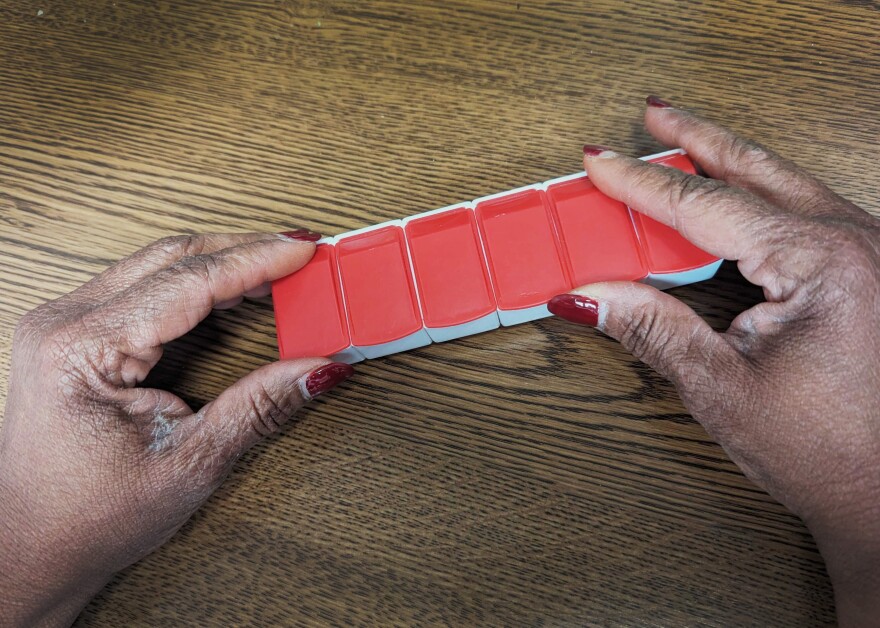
(349, 356)
(665, 281)
(407, 343)
(508, 318)
(477, 326)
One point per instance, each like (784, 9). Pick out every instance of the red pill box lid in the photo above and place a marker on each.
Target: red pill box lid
(521, 247)
(596, 233)
(379, 292)
(666, 250)
(309, 312)
(447, 259)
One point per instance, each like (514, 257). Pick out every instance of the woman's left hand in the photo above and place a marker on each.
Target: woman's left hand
(97, 472)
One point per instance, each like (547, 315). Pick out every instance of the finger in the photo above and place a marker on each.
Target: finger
(160, 255)
(263, 290)
(259, 404)
(167, 304)
(743, 163)
(656, 328)
(723, 220)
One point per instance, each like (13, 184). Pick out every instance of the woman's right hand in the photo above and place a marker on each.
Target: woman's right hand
(792, 389)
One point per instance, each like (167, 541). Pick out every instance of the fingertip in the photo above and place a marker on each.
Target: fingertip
(597, 150)
(299, 236)
(575, 308)
(655, 102)
(662, 119)
(323, 379)
(291, 254)
(596, 157)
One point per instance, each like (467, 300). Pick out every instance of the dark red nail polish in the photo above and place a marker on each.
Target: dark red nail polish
(591, 150)
(327, 377)
(303, 235)
(657, 102)
(575, 308)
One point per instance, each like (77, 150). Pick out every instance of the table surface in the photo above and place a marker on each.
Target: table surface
(532, 475)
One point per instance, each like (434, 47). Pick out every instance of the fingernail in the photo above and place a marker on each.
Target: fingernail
(228, 304)
(594, 150)
(263, 290)
(575, 308)
(300, 235)
(326, 378)
(657, 102)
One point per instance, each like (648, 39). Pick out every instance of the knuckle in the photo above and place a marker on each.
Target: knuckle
(67, 350)
(44, 326)
(745, 159)
(64, 356)
(689, 194)
(694, 190)
(27, 328)
(742, 151)
(178, 246)
(853, 262)
(644, 334)
(858, 247)
(200, 267)
(266, 413)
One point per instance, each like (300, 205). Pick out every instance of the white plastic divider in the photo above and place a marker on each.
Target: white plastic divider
(350, 355)
(490, 197)
(415, 340)
(454, 332)
(665, 153)
(470, 328)
(509, 318)
(666, 281)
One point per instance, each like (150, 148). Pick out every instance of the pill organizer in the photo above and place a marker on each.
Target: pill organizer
(471, 267)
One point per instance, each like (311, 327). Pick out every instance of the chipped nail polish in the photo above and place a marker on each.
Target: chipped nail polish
(657, 102)
(326, 378)
(301, 235)
(594, 150)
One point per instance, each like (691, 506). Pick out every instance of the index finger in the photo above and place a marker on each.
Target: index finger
(160, 255)
(171, 302)
(722, 220)
(742, 162)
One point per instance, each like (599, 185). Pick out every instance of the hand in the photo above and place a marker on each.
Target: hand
(792, 389)
(97, 472)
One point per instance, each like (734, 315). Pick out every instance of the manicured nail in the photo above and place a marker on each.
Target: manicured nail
(575, 308)
(300, 235)
(594, 150)
(326, 378)
(657, 102)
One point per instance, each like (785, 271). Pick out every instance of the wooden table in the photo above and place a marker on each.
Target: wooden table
(533, 475)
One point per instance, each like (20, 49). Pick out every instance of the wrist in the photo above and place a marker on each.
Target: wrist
(853, 564)
(38, 586)
(37, 591)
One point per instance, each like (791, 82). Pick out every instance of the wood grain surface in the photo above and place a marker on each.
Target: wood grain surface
(535, 475)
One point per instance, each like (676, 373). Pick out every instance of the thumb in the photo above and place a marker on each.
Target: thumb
(655, 327)
(260, 403)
